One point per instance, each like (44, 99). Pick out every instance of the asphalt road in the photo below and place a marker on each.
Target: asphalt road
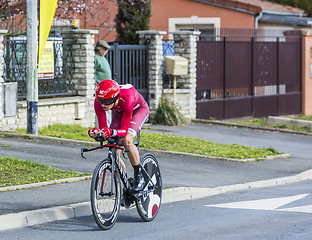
(176, 170)
(282, 212)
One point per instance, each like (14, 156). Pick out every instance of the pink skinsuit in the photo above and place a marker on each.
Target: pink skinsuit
(129, 114)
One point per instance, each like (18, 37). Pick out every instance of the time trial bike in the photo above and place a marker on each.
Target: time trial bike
(107, 195)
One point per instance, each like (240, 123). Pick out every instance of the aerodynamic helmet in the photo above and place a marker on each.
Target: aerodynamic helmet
(107, 91)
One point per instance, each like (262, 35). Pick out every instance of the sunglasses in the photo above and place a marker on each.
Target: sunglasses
(107, 101)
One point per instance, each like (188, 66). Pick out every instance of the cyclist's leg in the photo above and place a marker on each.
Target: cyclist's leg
(139, 117)
(133, 153)
(134, 159)
(118, 151)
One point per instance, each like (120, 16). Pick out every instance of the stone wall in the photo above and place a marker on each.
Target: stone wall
(155, 58)
(66, 110)
(79, 109)
(186, 93)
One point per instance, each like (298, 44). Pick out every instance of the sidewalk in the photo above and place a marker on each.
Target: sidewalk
(38, 205)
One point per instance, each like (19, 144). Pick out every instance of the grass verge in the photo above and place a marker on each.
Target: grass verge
(17, 172)
(167, 142)
(262, 122)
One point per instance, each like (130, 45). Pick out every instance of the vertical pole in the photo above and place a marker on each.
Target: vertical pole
(252, 67)
(32, 81)
(174, 87)
(252, 85)
(278, 67)
(224, 78)
(117, 61)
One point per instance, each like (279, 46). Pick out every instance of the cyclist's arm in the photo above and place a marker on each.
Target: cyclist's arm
(129, 96)
(101, 114)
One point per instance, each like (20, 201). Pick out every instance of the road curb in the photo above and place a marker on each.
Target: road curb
(188, 193)
(30, 218)
(46, 138)
(285, 155)
(228, 124)
(43, 184)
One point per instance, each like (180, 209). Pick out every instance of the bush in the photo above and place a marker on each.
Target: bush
(168, 113)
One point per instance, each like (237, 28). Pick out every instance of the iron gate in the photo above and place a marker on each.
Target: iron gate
(15, 65)
(241, 76)
(129, 64)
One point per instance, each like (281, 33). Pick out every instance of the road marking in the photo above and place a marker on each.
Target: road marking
(302, 209)
(268, 204)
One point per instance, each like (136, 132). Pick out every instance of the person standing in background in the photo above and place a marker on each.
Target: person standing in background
(102, 69)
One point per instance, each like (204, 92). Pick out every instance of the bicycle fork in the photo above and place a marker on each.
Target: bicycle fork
(116, 163)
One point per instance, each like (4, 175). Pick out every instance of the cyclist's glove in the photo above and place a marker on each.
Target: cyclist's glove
(93, 130)
(109, 132)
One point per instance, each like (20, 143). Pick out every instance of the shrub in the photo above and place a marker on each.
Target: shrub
(168, 113)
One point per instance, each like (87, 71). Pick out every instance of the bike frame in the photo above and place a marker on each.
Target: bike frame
(112, 155)
(115, 161)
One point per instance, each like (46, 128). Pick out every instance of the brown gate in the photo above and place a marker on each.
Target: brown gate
(248, 76)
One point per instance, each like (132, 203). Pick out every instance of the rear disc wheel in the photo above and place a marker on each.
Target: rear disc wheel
(149, 199)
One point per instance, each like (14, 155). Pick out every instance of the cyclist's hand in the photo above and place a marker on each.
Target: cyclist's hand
(93, 132)
(108, 132)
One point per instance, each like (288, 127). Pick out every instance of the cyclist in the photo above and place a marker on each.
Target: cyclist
(130, 112)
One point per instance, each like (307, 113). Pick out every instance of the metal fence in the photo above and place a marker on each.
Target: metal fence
(129, 64)
(60, 83)
(168, 50)
(242, 76)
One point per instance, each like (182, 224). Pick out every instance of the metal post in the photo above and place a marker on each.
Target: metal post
(32, 80)
(278, 76)
(252, 77)
(224, 78)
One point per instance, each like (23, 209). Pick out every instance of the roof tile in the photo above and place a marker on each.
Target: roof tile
(265, 5)
(256, 6)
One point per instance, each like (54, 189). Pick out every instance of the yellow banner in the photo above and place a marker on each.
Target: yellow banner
(46, 66)
(47, 10)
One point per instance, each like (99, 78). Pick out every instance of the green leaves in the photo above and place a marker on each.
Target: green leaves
(168, 113)
(132, 16)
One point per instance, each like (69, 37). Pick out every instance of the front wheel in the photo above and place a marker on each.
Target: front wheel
(105, 198)
(149, 199)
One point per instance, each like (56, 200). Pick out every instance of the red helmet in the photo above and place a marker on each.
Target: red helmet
(107, 91)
